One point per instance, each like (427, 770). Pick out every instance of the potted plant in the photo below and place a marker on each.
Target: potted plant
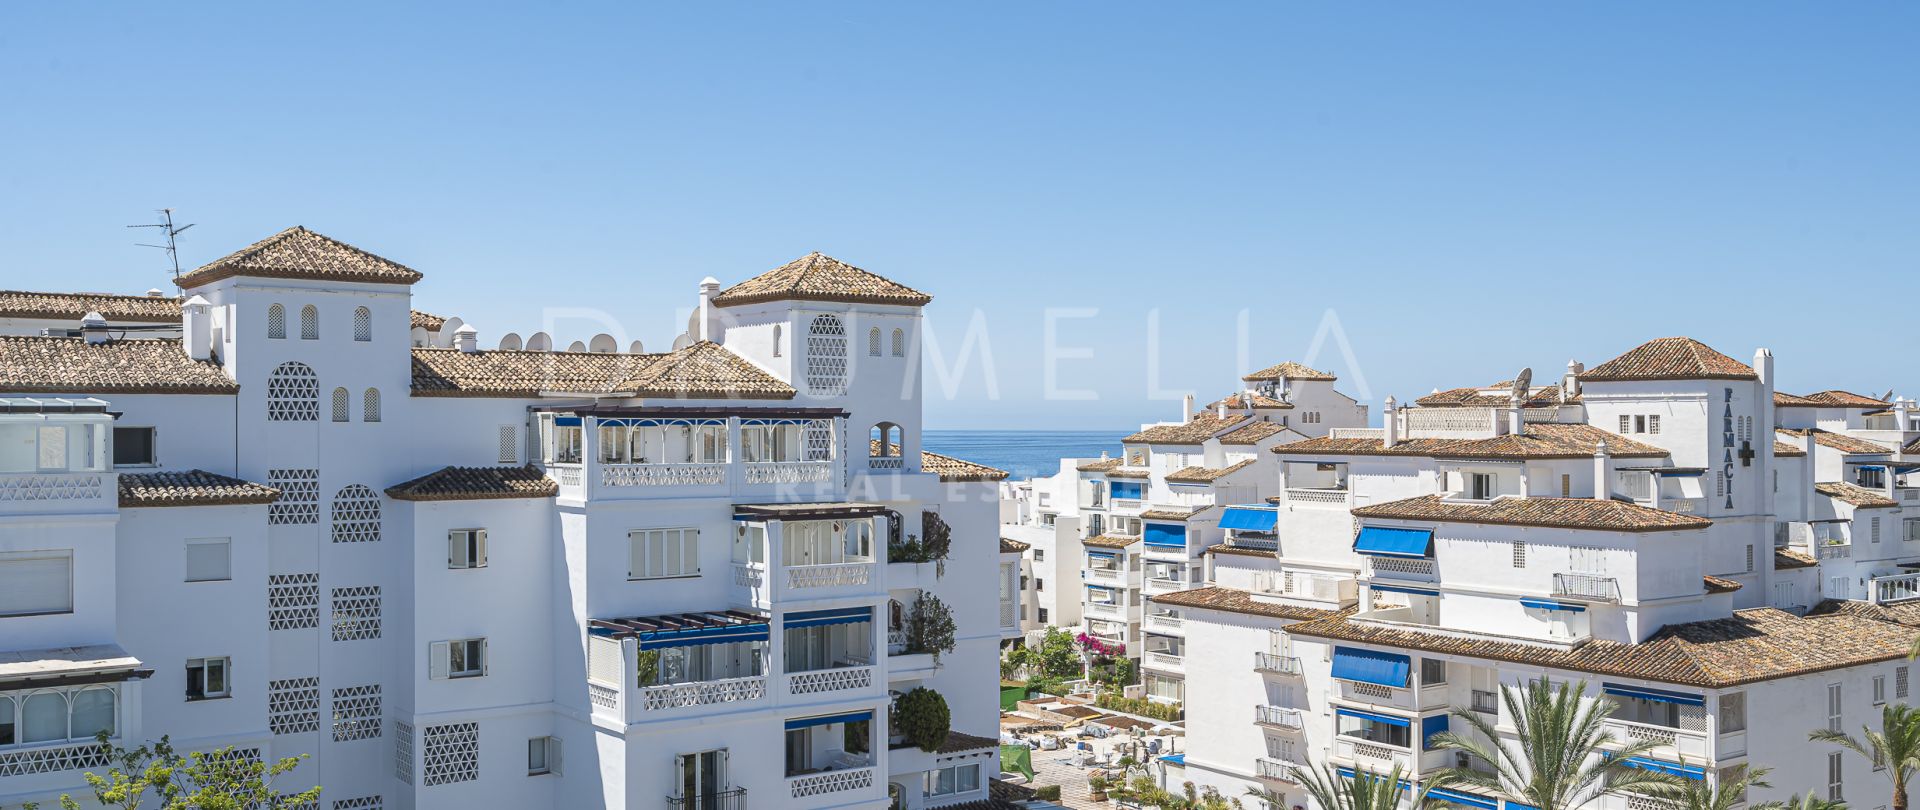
(1097, 786)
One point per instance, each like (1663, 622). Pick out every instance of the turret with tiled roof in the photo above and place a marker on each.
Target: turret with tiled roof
(818, 277)
(1670, 358)
(299, 253)
(1288, 370)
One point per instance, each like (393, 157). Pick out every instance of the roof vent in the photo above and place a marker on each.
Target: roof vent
(93, 327)
(466, 338)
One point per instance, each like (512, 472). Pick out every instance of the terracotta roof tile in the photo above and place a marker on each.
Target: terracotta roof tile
(1231, 549)
(1542, 397)
(1781, 448)
(1839, 441)
(816, 277)
(958, 741)
(1836, 398)
(701, 371)
(1540, 440)
(1556, 513)
(1205, 475)
(55, 365)
(475, 484)
(1782, 399)
(300, 253)
(704, 370)
(1786, 559)
(1009, 545)
(1109, 541)
(1670, 358)
(1243, 399)
(1238, 601)
(1129, 472)
(1719, 584)
(1288, 370)
(1253, 433)
(1102, 465)
(1752, 645)
(1198, 430)
(427, 321)
(947, 467)
(1901, 613)
(74, 306)
(191, 488)
(1329, 446)
(1856, 496)
(1170, 514)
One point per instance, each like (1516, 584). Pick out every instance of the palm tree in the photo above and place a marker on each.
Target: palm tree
(1893, 750)
(1364, 790)
(1565, 757)
(1811, 801)
(1725, 793)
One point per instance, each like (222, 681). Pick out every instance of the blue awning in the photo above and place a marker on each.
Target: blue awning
(1403, 589)
(1549, 604)
(1430, 726)
(1661, 695)
(1513, 805)
(1463, 799)
(1387, 541)
(1105, 555)
(1177, 759)
(1166, 535)
(1124, 489)
(829, 719)
(566, 421)
(1377, 718)
(1250, 518)
(1662, 766)
(819, 618)
(1371, 666)
(1100, 588)
(724, 634)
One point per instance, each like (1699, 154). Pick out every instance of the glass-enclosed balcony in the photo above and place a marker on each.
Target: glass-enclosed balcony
(55, 454)
(807, 551)
(658, 667)
(831, 755)
(666, 452)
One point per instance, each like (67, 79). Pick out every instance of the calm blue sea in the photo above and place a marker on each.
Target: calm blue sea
(1024, 453)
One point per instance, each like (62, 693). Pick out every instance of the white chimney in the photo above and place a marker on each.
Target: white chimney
(1570, 384)
(1601, 483)
(1220, 409)
(196, 328)
(1516, 421)
(709, 287)
(1391, 423)
(1186, 409)
(154, 292)
(93, 327)
(466, 338)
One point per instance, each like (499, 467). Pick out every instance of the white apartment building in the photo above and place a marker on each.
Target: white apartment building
(1730, 564)
(291, 514)
(1119, 530)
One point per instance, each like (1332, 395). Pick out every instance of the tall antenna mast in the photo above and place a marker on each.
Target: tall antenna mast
(166, 224)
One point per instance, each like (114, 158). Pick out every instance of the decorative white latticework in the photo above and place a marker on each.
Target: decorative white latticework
(605, 697)
(276, 322)
(1394, 565)
(451, 754)
(831, 782)
(362, 332)
(340, 405)
(50, 487)
(293, 601)
(830, 680)
(309, 323)
(356, 713)
(356, 515)
(509, 445)
(703, 693)
(299, 501)
(403, 752)
(358, 803)
(789, 472)
(899, 343)
(293, 394)
(356, 613)
(828, 576)
(661, 475)
(87, 755)
(293, 705)
(370, 405)
(827, 356)
(817, 440)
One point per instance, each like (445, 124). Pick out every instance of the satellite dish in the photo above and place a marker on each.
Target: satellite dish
(636, 348)
(421, 338)
(510, 342)
(1522, 385)
(539, 342)
(577, 347)
(603, 343)
(444, 337)
(682, 342)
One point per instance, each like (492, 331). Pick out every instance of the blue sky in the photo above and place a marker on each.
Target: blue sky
(1467, 188)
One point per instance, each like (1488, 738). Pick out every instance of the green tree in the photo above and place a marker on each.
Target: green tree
(930, 627)
(1364, 790)
(1559, 762)
(217, 780)
(1894, 750)
(1725, 793)
(1810, 801)
(924, 719)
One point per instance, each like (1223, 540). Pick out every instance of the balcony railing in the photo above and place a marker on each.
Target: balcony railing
(896, 642)
(703, 693)
(1165, 660)
(735, 799)
(1586, 586)
(1317, 496)
(1278, 717)
(662, 475)
(1691, 745)
(1828, 550)
(821, 681)
(1006, 613)
(1102, 609)
(1276, 664)
(54, 489)
(830, 575)
(54, 759)
(1896, 588)
(1161, 584)
(788, 472)
(1372, 755)
(1401, 568)
(821, 784)
(1275, 770)
(892, 463)
(1163, 622)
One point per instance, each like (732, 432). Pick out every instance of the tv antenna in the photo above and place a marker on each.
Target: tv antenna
(166, 224)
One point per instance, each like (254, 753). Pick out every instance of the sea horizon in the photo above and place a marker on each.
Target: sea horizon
(1022, 453)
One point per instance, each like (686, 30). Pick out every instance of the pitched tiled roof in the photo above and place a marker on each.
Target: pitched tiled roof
(1545, 396)
(701, 371)
(1540, 440)
(1099, 466)
(816, 277)
(1288, 370)
(1719, 584)
(191, 488)
(704, 370)
(1838, 441)
(57, 365)
(1009, 545)
(958, 741)
(1781, 448)
(1555, 513)
(1856, 496)
(1786, 559)
(1782, 399)
(1229, 548)
(299, 253)
(74, 306)
(475, 484)
(1252, 433)
(947, 467)
(1205, 475)
(1836, 398)
(1903, 613)
(427, 321)
(1237, 601)
(1249, 400)
(1124, 472)
(1198, 430)
(1171, 514)
(1752, 645)
(1670, 358)
(1109, 541)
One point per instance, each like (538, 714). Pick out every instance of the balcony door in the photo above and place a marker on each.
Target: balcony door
(703, 777)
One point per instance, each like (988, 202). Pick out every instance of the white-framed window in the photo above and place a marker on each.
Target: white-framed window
(1833, 707)
(953, 779)
(1653, 423)
(459, 658)
(309, 323)
(209, 678)
(1480, 486)
(1879, 689)
(1834, 763)
(134, 447)
(209, 559)
(543, 756)
(362, 324)
(57, 715)
(277, 322)
(658, 553)
(467, 548)
(33, 583)
(1039, 555)
(1733, 712)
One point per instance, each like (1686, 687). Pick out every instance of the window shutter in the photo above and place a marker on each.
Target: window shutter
(1626, 424)
(207, 561)
(480, 548)
(679, 778)
(456, 549)
(42, 584)
(553, 755)
(485, 659)
(437, 661)
(1653, 424)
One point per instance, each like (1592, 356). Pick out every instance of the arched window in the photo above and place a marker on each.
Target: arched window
(309, 323)
(92, 713)
(362, 324)
(293, 394)
(43, 718)
(884, 441)
(277, 322)
(827, 357)
(356, 515)
(340, 405)
(776, 340)
(370, 405)
(899, 343)
(873, 342)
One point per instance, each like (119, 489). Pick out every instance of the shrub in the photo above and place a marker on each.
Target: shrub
(1112, 701)
(930, 627)
(1047, 793)
(923, 718)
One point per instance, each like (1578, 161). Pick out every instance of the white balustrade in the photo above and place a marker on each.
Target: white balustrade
(891, 463)
(52, 487)
(1162, 622)
(54, 759)
(819, 784)
(789, 472)
(703, 693)
(1165, 660)
(662, 475)
(1896, 588)
(1357, 433)
(603, 696)
(831, 575)
(1451, 422)
(1278, 664)
(749, 575)
(1278, 770)
(829, 680)
(1317, 496)
(1834, 551)
(1586, 586)
(567, 474)
(1399, 566)
(1278, 716)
